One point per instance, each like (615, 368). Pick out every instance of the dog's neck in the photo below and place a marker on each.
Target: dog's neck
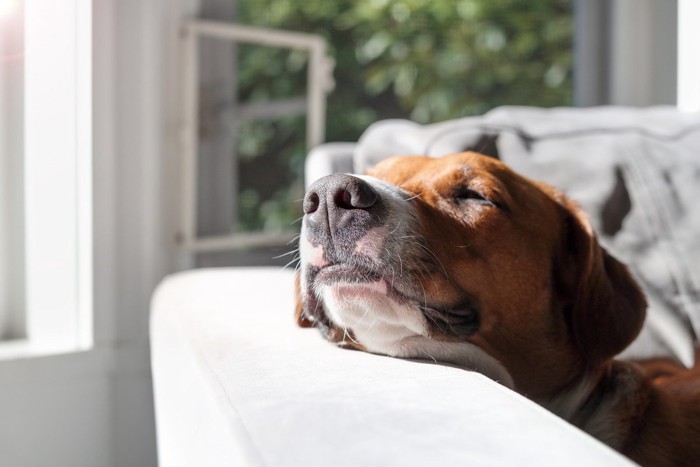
(608, 404)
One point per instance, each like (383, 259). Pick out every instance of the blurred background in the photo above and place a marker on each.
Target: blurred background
(420, 60)
(140, 138)
(425, 61)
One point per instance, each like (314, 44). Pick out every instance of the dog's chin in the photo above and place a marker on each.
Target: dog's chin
(346, 284)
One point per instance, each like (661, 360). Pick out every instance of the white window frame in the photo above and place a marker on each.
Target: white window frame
(320, 82)
(58, 194)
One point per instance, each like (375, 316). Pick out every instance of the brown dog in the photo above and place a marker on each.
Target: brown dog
(460, 260)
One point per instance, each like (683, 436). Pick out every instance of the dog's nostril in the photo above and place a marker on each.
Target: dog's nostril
(311, 203)
(356, 194)
(343, 199)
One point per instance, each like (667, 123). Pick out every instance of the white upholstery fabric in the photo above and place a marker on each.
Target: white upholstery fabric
(328, 158)
(237, 383)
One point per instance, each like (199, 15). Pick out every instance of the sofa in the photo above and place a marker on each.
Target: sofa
(237, 383)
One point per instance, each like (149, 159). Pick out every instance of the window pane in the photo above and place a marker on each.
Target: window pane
(271, 161)
(271, 151)
(252, 139)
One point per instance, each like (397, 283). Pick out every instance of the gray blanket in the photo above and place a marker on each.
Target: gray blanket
(636, 172)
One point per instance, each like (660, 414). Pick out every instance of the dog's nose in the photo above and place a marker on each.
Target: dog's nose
(334, 196)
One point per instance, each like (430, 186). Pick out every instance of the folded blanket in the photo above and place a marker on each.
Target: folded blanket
(636, 172)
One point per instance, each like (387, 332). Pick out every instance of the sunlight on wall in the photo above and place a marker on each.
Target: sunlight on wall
(7, 7)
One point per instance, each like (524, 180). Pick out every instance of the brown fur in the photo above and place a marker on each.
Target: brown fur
(299, 317)
(669, 433)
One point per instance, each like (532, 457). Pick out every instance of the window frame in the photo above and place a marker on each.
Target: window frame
(320, 82)
(57, 181)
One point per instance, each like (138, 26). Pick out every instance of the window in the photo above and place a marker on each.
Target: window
(254, 196)
(45, 173)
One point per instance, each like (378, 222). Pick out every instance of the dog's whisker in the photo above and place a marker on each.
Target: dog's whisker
(428, 250)
(425, 296)
(371, 326)
(346, 333)
(364, 315)
(296, 250)
(295, 259)
(430, 356)
(389, 262)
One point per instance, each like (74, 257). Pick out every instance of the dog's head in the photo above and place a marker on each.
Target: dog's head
(459, 255)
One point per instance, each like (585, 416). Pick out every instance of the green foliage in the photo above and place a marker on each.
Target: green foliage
(421, 59)
(270, 162)
(425, 60)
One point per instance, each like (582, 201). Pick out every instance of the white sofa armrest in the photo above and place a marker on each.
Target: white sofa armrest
(237, 383)
(328, 158)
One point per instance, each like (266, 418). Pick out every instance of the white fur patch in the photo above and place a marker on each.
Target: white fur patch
(311, 255)
(376, 320)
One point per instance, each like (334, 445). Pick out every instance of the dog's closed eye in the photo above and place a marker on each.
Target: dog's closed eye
(465, 195)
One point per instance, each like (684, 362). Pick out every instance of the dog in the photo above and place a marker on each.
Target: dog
(460, 260)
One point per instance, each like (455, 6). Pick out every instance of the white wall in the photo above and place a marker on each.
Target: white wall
(57, 412)
(95, 408)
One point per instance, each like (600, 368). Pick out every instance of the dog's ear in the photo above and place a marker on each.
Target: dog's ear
(299, 315)
(603, 305)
